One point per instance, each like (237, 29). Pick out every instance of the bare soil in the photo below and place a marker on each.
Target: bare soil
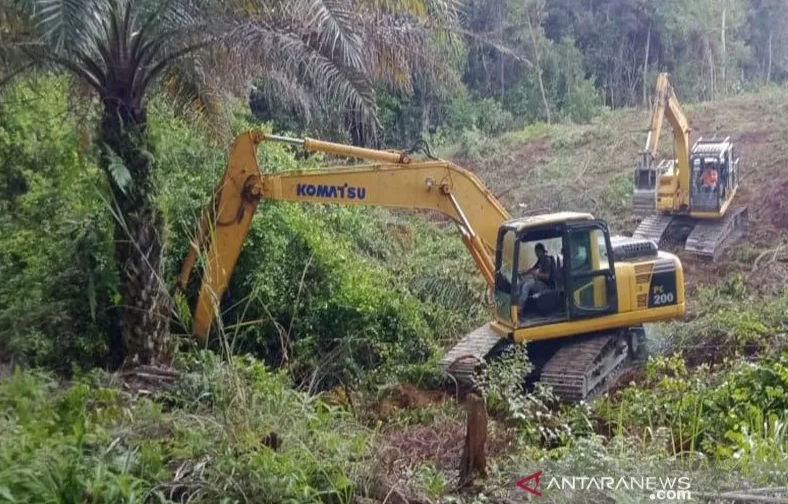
(585, 166)
(408, 396)
(438, 442)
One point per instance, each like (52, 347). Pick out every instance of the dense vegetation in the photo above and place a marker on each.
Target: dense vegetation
(351, 301)
(552, 60)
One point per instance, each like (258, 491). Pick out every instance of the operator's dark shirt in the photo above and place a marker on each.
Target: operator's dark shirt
(543, 263)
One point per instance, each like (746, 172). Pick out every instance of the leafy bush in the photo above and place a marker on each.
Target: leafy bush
(584, 102)
(732, 406)
(736, 415)
(55, 244)
(731, 324)
(201, 442)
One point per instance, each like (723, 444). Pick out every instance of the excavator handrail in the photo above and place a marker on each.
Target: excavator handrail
(393, 180)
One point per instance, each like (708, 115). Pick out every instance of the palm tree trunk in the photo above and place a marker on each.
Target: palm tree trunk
(138, 235)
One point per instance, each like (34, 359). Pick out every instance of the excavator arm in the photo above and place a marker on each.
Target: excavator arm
(393, 180)
(657, 117)
(679, 186)
(666, 104)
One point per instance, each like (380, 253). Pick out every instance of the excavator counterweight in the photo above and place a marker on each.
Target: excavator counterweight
(583, 323)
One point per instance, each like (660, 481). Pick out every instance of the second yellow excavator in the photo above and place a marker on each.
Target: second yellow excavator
(689, 197)
(582, 327)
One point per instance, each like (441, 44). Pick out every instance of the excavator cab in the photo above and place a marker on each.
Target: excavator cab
(583, 281)
(715, 174)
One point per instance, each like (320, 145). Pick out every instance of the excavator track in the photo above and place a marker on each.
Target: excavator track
(583, 369)
(471, 352)
(579, 370)
(709, 239)
(653, 228)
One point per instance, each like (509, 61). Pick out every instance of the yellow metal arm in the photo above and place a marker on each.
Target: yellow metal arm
(681, 130)
(394, 181)
(657, 116)
(666, 104)
(312, 145)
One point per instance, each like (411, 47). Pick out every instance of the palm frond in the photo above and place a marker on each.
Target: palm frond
(332, 24)
(403, 49)
(65, 24)
(276, 49)
(308, 54)
(195, 95)
(282, 84)
(438, 26)
(415, 7)
(446, 10)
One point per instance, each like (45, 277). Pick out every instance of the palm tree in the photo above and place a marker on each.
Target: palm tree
(300, 51)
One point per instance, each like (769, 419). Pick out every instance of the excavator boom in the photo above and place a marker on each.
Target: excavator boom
(393, 181)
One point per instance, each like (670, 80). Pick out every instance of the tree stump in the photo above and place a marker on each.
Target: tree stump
(474, 454)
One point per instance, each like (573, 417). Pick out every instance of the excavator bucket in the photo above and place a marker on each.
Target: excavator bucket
(644, 194)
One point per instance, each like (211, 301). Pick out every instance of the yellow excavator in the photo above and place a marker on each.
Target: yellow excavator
(689, 197)
(582, 328)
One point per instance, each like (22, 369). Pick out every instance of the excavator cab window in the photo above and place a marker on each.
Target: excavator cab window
(505, 281)
(708, 176)
(732, 177)
(515, 255)
(583, 282)
(729, 176)
(539, 300)
(591, 283)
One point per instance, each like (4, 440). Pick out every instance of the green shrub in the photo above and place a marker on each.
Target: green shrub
(202, 441)
(732, 414)
(584, 102)
(55, 241)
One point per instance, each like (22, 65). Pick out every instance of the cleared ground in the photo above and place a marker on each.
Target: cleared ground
(589, 168)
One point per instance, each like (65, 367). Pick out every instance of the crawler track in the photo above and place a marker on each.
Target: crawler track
(471, 352)
(653, 228)
(582, 368)
(708, 239)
